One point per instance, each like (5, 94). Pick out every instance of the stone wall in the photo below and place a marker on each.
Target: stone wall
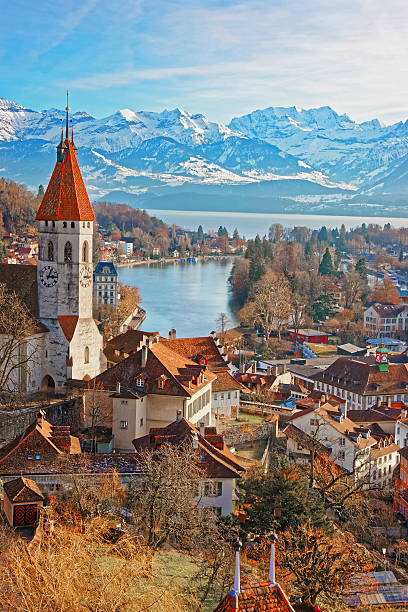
(247, 432)
(67, 412)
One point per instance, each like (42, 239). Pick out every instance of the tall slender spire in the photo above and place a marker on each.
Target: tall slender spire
(66, 119)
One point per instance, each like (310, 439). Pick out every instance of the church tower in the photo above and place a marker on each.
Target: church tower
(65, 273)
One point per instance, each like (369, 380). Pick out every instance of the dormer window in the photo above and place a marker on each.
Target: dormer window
(140, 382)
(203, 361)
(160, 383)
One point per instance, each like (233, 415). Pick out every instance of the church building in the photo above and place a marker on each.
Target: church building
(58, 292)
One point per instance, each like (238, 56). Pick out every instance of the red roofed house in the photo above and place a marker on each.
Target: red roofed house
(222, 468)
(150, 386)
(58, 291)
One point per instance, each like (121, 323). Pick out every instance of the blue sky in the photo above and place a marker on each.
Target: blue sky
(221, 58)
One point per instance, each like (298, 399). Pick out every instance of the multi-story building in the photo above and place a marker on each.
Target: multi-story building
(386, 319)
(150, 386)
(365, 381)
(105, 283)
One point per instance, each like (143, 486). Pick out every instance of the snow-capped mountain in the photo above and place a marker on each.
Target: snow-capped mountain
(270, 159)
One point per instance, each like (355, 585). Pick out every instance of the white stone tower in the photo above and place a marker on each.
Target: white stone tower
(65, 274)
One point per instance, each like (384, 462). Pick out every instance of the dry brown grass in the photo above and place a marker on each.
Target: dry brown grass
(81, 570)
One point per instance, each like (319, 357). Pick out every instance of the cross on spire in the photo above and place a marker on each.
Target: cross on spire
(66, 119)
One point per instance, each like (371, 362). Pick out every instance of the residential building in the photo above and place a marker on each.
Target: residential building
(401, 485)
(349, 445)
(120, 347)
(222, 469)
(105, 283)
(226, 391)
(300, 446)
(127, 248)
(365, 381)
(386, 319)
(163, 381)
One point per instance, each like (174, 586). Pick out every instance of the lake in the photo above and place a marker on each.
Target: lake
(250, 224)
(188, 297)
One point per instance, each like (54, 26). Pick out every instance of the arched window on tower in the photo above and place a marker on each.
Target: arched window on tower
(85, 250)
(68, 251)
(50, 251)
(86, 354)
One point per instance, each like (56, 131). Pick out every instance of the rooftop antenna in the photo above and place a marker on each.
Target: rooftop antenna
(66, 119)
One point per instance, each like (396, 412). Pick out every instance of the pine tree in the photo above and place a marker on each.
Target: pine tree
(200, 233)
(323, 235)
(401, 256)
(326, 265)
(361, 268)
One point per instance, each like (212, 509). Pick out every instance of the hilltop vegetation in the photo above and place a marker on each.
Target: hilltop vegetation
(18, 206)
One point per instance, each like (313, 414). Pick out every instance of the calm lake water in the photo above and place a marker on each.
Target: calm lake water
(188, 297)
(250, 224)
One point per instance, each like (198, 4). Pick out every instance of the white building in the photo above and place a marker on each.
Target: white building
(386, 319)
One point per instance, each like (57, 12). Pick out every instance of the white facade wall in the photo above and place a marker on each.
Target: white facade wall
(401, 434)
(383, 468)
(224, 503)
(343, 451)
(222, 402)
(128, 421)
(355, 401)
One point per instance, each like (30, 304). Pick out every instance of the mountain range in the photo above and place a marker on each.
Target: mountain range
(272, 160)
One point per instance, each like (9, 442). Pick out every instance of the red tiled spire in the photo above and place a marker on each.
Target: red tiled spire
(66, 198)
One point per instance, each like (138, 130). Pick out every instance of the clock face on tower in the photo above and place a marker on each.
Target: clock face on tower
(85, 276)
(48, 276)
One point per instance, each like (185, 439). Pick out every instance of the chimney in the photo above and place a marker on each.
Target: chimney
(172, 334)
(178, 416)
(118, 387)
(323, 398)
(195, 441)
(344, 410)
(272, 539)
(145, 350)
(389, 398)
(202, 429)
(237, 581)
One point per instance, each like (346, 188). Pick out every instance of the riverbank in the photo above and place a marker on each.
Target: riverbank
(169, 260)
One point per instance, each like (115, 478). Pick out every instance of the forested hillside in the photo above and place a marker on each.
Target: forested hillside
(18, 206)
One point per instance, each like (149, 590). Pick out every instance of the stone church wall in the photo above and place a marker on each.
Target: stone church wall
(14, 422)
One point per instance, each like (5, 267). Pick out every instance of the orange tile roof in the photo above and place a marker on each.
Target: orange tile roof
(68, 325)
(257, 597)
(66, 197)
(226, 382)
(195, 348)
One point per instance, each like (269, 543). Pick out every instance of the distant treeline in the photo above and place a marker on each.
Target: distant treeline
(112, 216)
(18, 206)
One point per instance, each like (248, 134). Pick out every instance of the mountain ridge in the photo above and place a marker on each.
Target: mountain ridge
(316, 156)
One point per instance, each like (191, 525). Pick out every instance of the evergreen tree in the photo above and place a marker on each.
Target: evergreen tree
(337, 259)
(326, 265)
(200, 233)
(235, 235)
(284, 487)
(40, 191)
(324, 307)
(361, 268)
(256, 269)
(308, 250)
(323, 235)
(401, 256)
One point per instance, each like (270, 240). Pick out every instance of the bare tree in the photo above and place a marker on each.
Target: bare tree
(269, 305)
(275, 232)
(18, 345)
(223, 321)
(165, 503)
(352, 286)
(97, 410)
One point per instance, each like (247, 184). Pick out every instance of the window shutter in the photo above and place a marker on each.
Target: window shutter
(219, 489)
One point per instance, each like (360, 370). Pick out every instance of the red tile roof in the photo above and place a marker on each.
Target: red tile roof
(261, 597)
(218, 461)
(22, 490)
(41, 439)
(182, 374)
(68, 325)
(226, 382)
(196, 348)
(66, 197)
